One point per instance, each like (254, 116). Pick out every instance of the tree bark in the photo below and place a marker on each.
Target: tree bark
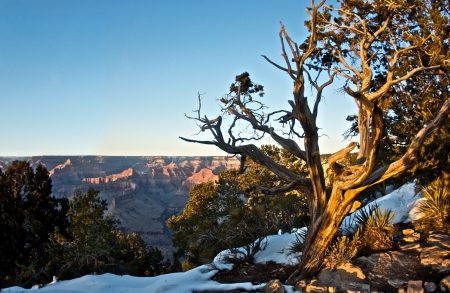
(359, 33)
(321, 233)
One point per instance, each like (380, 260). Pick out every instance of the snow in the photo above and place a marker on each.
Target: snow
(197, 279)
(402, 201)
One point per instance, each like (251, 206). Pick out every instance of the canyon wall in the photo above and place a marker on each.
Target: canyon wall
(142, 192)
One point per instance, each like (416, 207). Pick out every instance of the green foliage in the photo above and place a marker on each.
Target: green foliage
(93, 245)
(413, 103)
(87, 249)
(373, 232)
(374, 228)
(299, 242)
(199, 222)
(233, 212)
(245, 86)
(28, 215)
(436, 204)
(133, 256)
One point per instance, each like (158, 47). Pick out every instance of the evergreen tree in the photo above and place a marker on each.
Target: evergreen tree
(93, 245)
(28, 215)
(374, 46)
(232, 212)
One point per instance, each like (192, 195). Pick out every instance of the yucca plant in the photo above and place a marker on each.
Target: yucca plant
(375, 227)
(435, 207)
(297, 245)
(373, 218)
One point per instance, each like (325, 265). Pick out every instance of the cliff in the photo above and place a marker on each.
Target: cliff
(142, 192)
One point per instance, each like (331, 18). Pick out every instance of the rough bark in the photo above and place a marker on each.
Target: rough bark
(349, 181)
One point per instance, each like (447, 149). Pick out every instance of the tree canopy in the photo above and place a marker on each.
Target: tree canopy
(92, 243)
(28, 215)
(382, 50)
(232, 212)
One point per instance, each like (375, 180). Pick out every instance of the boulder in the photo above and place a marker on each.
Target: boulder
(444, 285)
(345, 273)
(415, 287)
(344, 278)
(430, 287)
(388, 271)
(273, 286)
(439, 239)
(301, 285)
(312, 288)
(433, 256)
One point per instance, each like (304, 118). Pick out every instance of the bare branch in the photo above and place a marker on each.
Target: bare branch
(274, 64)
(411, 155)
(301, 185)
(360, 173)
(339, 155)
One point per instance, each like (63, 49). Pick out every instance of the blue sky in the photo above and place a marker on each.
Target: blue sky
(116, 77)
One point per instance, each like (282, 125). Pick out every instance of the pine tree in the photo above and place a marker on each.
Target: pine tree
(373, 46)
(232, 212)
(28, 215)
(93, 245)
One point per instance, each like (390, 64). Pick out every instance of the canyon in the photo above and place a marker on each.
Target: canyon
(142, 192)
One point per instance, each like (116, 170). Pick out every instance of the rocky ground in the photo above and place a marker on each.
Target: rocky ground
(419, 262)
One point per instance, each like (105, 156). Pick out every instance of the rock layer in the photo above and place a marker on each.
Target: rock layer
(142, 192)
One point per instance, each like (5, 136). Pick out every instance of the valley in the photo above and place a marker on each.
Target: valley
(142, 192)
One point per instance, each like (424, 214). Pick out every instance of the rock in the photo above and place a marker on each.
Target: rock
(397, 283)
(411, 247)
(439, 239)
(273, 286)
(311, 288)
(444, 285)
(415, 287)
(407, 232)
(401, 290)
(445, 266)
(388, 270)
(433, 256)
(430, 287)
(414, 237)
(344, 273)
(345, 278)
(300, 285)
(357, 287)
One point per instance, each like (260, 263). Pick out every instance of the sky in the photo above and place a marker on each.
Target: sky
(82, 77)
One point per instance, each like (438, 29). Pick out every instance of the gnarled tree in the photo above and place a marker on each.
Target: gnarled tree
(372, 44)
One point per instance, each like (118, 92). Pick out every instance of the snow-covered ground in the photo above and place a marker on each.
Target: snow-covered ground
(402, 201)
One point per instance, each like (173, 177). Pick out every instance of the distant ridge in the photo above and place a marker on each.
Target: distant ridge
(142, 191)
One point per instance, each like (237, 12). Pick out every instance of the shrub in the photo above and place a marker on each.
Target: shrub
(436, 206)
(342, 250)
(375, 228)
(374, 231)
(297, 245)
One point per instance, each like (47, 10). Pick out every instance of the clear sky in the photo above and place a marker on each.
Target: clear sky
(116, 77)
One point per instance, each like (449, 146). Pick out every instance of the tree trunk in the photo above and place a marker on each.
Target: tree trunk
(321, 233)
